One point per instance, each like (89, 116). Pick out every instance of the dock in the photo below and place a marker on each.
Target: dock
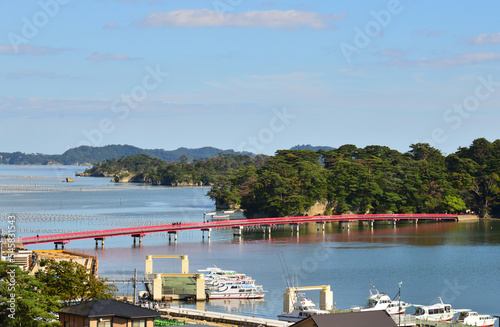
(409, 320)
(226, 318)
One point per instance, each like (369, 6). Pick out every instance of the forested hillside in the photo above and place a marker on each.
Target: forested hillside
(374, 179)
(145, 169)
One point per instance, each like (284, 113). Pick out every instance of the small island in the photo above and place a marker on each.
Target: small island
(142, 168)
(373, 179)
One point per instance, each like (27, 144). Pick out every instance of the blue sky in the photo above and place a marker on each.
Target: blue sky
(248, 75)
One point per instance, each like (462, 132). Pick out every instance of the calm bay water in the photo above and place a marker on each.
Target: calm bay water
(457, 261)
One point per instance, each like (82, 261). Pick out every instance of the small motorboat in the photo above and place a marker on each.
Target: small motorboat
(302, 308)
(436, 312)
(472, 318)
(381, 301)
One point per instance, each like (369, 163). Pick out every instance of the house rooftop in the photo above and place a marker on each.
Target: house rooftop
(109, 308)
(378, 318)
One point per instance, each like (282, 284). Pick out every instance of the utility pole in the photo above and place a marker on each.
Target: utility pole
(134, 301)
(399, 303)
(1, 245)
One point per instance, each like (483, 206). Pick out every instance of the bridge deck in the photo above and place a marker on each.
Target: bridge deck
(141, 231)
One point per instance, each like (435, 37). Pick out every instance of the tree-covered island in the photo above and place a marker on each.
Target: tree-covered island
(142, 168)
(373, 179)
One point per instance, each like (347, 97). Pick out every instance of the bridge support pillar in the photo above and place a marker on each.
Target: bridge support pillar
(139, 236)
(394, 223)
(97, 239)
(56, 244)
(170, 236)
(266, 228)
(203, 233)
(237, 230)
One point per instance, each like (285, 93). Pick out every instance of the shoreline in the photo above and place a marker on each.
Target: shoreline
(469, 218)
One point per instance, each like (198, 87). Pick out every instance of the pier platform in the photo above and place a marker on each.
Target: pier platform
(227, 318)
(409, 320)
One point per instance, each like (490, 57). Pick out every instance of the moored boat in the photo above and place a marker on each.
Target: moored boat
(302, 308)
(381, 301)
(436, 312)
(228, 284)
(472, 318)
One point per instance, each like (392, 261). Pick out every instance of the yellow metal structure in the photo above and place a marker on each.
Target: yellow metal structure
(325, 297)
(158, 280)
(184, 262)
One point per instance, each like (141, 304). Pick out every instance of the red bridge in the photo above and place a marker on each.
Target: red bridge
(138, 232)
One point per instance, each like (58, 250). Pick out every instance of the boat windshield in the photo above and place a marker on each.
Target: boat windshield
(419, 311)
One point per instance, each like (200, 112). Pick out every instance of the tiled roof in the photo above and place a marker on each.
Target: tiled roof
(109, 308)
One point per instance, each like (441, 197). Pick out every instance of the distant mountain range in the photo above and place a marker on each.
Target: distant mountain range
(87, 155)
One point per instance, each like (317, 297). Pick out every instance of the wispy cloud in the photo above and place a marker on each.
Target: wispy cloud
(110, 57)
(463, 59)
(19, 74)
(391, 52)
(428, 33)
(26, 49)
(269, 19)
(352, 72)
(110, 26)
(486, 38)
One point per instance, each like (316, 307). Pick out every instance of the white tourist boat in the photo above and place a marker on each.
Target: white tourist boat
(436, 312)
(236, 290)
(228, 284)
(381, 301)
(472, 318)
(302, 308)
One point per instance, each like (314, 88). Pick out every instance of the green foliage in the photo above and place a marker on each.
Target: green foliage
(72, 281)
(374, 179)
(145, 169)
(33, 305)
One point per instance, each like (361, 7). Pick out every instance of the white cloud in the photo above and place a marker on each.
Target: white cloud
(268, 19)
(27, 49)
(110, 57)
(486, 38)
